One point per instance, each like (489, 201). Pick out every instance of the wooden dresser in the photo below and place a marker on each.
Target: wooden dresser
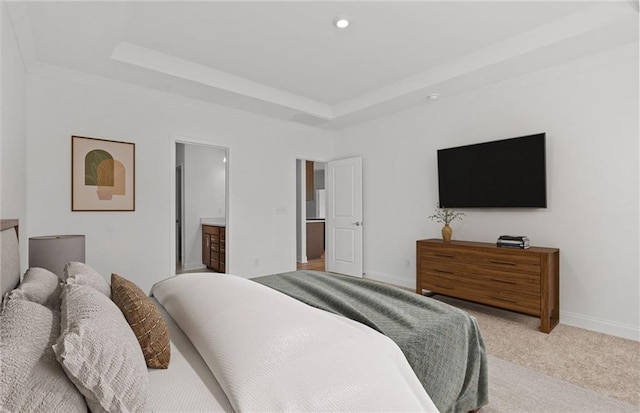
(523, 280)
(214, 247)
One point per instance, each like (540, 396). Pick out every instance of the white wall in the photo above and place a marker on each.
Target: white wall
(140, 245)
(589, 110)
(13, 142)
(204, 192)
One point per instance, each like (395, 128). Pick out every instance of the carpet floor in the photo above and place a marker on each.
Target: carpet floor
(517, 389)
(532, 371)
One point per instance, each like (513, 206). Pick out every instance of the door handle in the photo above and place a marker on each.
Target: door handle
(357, 224)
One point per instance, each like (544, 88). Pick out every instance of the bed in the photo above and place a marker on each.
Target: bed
(235, 345)
(442, 344)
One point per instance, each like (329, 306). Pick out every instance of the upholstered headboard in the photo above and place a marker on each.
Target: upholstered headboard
(10, 256)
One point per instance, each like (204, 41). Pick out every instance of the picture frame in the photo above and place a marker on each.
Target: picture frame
(102, 175)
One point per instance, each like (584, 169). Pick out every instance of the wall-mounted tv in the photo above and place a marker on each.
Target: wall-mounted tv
(508, 173)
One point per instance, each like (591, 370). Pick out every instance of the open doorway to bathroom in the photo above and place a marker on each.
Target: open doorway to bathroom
(311, 206)
(201, 199)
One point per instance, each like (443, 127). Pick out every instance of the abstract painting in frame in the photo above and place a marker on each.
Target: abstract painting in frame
(102, 175)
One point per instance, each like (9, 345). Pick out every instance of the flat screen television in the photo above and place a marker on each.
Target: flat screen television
(508, 173)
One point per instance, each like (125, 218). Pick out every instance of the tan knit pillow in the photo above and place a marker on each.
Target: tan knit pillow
(82, 274)
(39, 286)
(31, 380)
(145, 321)
(100, 353)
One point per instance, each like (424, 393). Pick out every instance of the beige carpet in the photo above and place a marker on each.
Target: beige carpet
(517, 389)
(598, 362)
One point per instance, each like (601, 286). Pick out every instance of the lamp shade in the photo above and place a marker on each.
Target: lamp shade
(55, 251)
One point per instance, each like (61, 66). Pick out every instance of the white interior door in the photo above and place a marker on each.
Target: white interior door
(344, 216)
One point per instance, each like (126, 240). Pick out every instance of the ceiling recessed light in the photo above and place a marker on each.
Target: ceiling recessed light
(433, 96)
(341, 22)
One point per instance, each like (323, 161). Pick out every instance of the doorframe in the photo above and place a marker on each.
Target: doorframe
(180, 167)
(303, 233)
(187, 140)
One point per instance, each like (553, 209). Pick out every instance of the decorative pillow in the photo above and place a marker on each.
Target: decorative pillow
(39, 286)
(100, 353)
(145, 321)
(31, 378)
(81, 273)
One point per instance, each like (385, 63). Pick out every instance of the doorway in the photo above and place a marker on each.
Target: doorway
(339, 209)
(201, 191)
(311, 206)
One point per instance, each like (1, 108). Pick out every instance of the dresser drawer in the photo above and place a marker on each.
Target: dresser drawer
(508, 284)
(464, 273)
(515, 261)
(511, 260)
(484, 293)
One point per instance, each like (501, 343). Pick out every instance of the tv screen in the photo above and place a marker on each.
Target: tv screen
(504, 173)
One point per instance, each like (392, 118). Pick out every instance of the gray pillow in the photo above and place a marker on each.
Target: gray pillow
(31, 378)
(82, 274)
(39, 286)
(100, 353)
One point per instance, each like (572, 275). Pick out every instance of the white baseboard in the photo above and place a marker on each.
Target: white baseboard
(390, 279)
(601, 326)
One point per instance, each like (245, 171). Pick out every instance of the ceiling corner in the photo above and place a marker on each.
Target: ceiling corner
(18, 14)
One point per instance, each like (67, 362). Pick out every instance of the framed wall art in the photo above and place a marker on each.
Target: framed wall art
(102, 175)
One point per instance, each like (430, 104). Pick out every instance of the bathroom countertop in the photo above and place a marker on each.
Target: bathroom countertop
(215, 221)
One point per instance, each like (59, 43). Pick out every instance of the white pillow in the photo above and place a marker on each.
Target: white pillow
(39, 286)
(100, 353)
(31, 378)
(82, 274)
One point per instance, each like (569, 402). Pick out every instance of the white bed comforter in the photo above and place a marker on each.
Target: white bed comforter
(271, 352)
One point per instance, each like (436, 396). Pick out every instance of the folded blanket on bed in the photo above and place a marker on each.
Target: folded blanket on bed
(442, 343)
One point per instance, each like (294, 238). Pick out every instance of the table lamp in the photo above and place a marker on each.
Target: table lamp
(53, 252)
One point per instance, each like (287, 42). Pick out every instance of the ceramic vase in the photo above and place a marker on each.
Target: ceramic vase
(446, 233)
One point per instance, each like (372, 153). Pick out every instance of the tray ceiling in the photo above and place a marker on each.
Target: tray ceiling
(287, 60)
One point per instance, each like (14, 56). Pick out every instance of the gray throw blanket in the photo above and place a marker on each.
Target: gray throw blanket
(442, 343)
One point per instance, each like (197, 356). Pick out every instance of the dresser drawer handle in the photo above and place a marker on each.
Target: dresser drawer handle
(503, 281)
(502, 262)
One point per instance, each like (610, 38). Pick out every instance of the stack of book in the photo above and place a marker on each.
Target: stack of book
(510, 241)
